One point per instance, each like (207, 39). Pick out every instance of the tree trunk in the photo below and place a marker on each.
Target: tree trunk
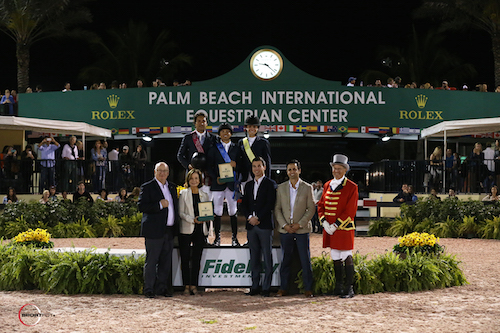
(495, 46)
(23, 66)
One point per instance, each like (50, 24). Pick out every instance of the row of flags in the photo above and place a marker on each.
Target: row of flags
(273, 128)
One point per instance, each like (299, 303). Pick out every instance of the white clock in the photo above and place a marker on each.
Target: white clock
(266, 64)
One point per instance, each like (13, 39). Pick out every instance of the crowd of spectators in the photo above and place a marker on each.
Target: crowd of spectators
(397, 83)
(64, 166)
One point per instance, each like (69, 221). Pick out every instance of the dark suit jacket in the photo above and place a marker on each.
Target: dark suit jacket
(264, 204)
(214, 159)
(260, 147)
(154, 219)
(187, 148)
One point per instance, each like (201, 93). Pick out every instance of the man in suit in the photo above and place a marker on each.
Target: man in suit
(253, 146)
(257, 206)
(199, 141)
(224, 151)
(294, 209)
(337, 210)
(160, 207)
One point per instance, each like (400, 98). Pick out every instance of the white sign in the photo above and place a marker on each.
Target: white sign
(226, 267)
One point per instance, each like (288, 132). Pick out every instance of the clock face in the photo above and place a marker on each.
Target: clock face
(266, 64)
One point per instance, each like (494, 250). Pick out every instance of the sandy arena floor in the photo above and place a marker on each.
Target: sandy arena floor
(470, 308)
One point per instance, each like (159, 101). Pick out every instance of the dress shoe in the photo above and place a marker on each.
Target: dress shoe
(194, 291)
(149, 294)
(253, 292)
(281, 292)
(166, 294)
(308, 294)
(265, 293)
(216, 241)
(349, 293)
(244, 244)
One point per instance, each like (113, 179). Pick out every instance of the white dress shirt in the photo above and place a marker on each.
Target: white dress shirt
(293, 195)
(336, 182)
(168, 196)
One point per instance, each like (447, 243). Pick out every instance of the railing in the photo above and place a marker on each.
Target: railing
(469, 176)
(29, 176)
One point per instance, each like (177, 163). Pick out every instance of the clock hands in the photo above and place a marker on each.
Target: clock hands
(268, 67)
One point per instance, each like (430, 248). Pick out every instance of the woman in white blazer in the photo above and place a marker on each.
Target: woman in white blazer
(192, 231)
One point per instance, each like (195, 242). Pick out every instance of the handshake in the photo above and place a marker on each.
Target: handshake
(330, 228)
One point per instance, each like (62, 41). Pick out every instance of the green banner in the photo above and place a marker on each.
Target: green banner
(267, 85)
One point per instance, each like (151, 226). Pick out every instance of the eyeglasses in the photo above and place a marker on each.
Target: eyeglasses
(162, 170)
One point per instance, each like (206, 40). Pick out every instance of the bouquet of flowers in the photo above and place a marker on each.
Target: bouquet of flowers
(179, 189)
(418, 242)
(38, 238)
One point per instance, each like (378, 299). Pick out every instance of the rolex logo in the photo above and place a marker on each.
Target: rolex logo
(113, 101)
(421, 101)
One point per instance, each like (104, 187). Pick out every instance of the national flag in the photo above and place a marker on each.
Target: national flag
(269, 128)
(134, 130)
(123, 131)
(384, 130)
(312, 128)
(352, 130)
(414, 130)
(175, 129)
(363, 129)
(209, 128)
(373, 130)
(142, 130)
(281, 128)
(395, 130)
(155, 130)
(166, 129)
(215, 129)
(291, 128)
(186, 129)
(300, 128)
(114, 131)
(238, 129)
(343, 129)
(404, 130)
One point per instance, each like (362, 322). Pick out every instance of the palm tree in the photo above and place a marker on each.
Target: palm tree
(135, 52)
(421, 60)
(460, 14)
(29, 21)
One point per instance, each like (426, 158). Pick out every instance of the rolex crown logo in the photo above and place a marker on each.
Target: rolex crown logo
(421, 101)
(113, 101)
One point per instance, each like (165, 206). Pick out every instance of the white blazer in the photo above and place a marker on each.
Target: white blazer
(186, 211)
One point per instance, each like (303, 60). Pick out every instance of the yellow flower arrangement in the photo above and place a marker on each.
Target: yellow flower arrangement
(38, 238)
(179, 189)
(420, 242)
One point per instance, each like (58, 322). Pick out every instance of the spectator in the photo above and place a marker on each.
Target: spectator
(102, 86)
(482, 87)
(114, 167)
(81, 192)
(47, 162)
(45, 197)
(140, 157)
(11, 196)
(7, 102)
(38, 88)
(103, 195)
(452, 194)
(493, 196)
(352, 81)
(160, 82)
(411, 194)
(397, 82)
(436, 167)
(52, 194)
(28, 158)
(451, 171)
(80, 171)
(476, 168)
(134, 195)
(70, 155)
(390, 83)
(121, 196)
(64, 196)
(126, 167)
(140, 83)
(444, 85)
(433, 195)
(94, 86)
(378, 83)
(29, 90)
(489, 161)
(11, 167)
(317, 194)
(114, 84)
(67, 87)
(402, 195)
(497, 89)
(99, 156)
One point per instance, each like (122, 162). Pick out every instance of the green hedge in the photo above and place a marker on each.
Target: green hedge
(388, 272)
(23, 268)
(448, 218)
(63, 219)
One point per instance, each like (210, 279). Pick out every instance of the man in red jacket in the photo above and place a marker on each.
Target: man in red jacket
(336, 210)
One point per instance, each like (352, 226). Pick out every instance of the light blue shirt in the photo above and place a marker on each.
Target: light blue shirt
(48, 153)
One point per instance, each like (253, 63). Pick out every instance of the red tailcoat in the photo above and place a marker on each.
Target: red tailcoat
(339, 207)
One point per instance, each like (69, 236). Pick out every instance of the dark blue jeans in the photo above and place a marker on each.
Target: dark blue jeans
(47, 178)
(287, 245)
(260, 243)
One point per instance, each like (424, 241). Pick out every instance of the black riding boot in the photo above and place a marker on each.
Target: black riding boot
(349, 279)
(339, 277)
(217, 231)
(234, 229)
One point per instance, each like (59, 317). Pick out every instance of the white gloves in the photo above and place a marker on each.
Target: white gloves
(329, 228)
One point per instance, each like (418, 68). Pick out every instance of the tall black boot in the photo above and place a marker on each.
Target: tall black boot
(234, 229)
(339, 277)
(349, 281)
(217, 231)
